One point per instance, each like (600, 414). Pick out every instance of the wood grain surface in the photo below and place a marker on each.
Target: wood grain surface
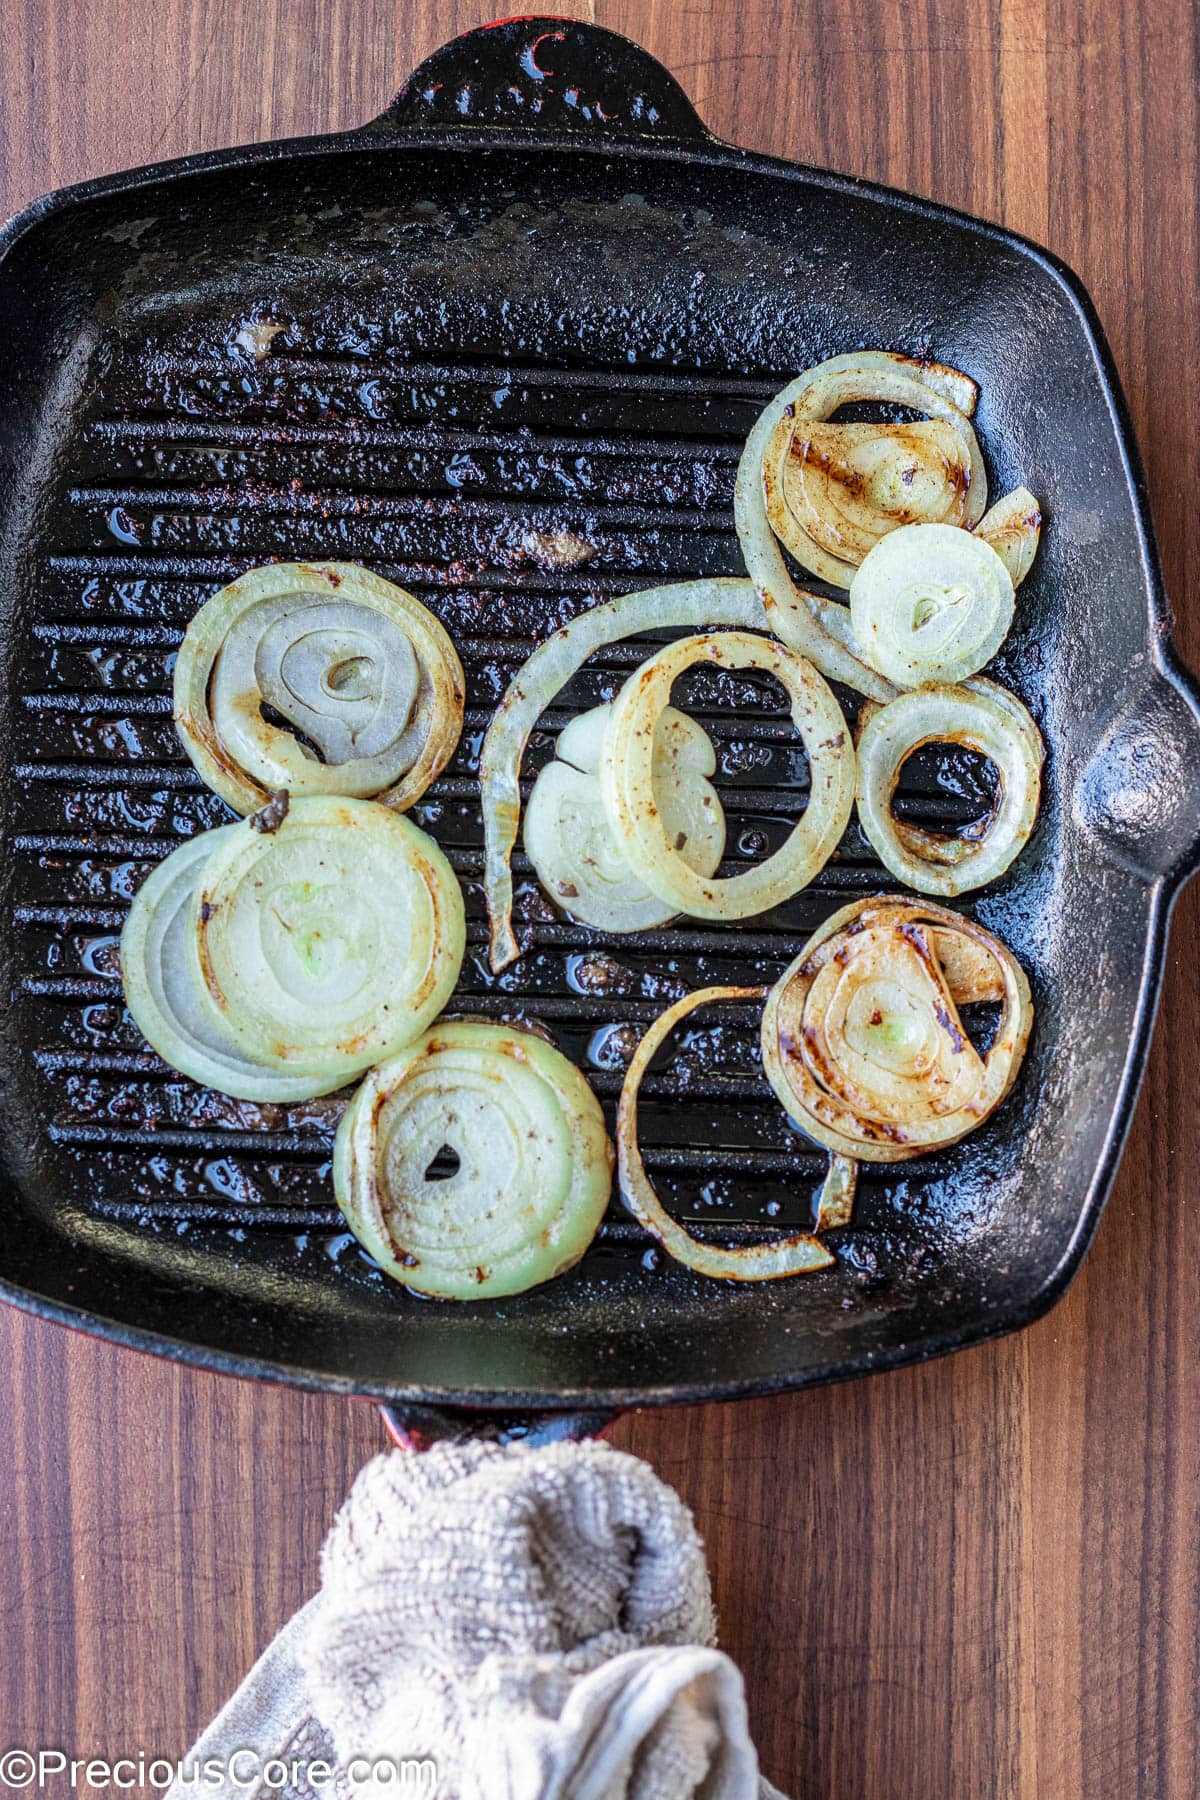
(970, 1580)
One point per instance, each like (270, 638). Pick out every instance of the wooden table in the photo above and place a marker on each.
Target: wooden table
(973, 1580)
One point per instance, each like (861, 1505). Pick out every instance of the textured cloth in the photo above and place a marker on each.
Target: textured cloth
(537, 1623)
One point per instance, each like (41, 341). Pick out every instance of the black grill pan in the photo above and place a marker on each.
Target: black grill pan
(535, 295)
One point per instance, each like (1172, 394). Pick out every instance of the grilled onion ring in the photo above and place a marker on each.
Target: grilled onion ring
(161, 992)
(685, 604)
(331, 941)
(931, 603)
(534, 1162)
(627, 777)
(848, 486)
(817, 627)
(355, 664)
(755, 1262)
(570, 842)
(985, 718)
(861, 1038)
(1013, 528)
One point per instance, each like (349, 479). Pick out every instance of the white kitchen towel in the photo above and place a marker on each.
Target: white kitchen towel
(495, 1623)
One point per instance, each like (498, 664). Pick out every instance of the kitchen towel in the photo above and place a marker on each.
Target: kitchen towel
(495, 1622)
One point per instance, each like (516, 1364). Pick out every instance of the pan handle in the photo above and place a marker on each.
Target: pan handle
(417, 1427)
(544, 74)
(1140, 790)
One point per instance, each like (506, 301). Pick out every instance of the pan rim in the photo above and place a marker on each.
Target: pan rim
(707, 151)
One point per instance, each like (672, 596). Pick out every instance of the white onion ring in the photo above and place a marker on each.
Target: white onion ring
(903, 997)
(161, 992)
(931, 603)
(1013, 528)
(795, 1255)
(352, 661)
(819, 628)
(627, 771)
(330, 942)
(985, 718)
(687, 604)
(534, 1162)
(571, 844)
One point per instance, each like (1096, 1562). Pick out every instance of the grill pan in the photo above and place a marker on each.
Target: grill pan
(536, 295)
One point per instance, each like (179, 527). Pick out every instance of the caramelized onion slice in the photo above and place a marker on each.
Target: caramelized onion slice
(328, 943)
(682, 604)
(364, 675)
(161, 990)
(969, 960)
(861, 1038)
(983, 717)
(808, 623)
(794, 1255)
(475, 1163)
(627, 777)
(931, 603)
(889, 1043)
(972, 973)
(817, 627)
(571, 844)
(847, 486)
(1013, 528)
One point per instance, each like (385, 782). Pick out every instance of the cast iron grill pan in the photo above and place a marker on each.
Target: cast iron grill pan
(486, 343)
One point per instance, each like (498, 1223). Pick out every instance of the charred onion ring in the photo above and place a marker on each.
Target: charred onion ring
(847, 486)
(756, 1262)
(985, 718)
(862, 1041)
(627, 777)
(817, 627)
(534, 1162)
(359, 669)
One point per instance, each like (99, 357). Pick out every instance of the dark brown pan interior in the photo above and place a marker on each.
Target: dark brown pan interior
(478, 352)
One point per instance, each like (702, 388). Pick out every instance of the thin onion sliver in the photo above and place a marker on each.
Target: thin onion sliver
(1013, 528)
(795, 1255)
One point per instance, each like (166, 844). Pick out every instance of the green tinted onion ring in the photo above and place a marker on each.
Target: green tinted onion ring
(162, 993)
(931, 603)
(532, 1162)
(328, 943)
